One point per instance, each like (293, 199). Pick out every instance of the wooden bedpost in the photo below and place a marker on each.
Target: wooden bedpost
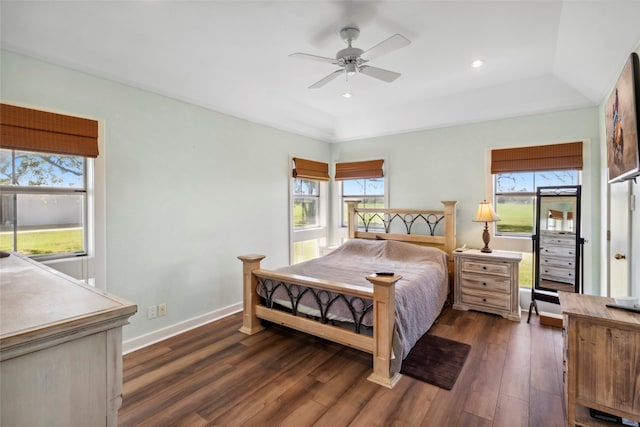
(450, 237)
(384, 317)
(352, 205)
(449, 225)
(250, 323)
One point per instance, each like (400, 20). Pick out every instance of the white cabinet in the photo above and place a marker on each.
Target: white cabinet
(60, 348)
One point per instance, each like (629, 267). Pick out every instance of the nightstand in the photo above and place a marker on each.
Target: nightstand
(487, 282)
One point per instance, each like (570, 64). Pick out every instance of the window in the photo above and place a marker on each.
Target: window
(43, 181)
(362, 181)
(515, 198)
(517, 172)
(43, 203)
(306, 201)
(308, 205)
(369, 191)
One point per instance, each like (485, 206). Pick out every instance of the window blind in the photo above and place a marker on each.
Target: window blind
(310, 169)
(34, 130)
(540, 158)
(359, 170)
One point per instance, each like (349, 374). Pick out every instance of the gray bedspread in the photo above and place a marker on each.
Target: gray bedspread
(420, 294)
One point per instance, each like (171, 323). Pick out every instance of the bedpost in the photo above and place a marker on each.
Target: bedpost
(450, 239)
(449, 225)
(250, 323)
(352, 221)
(384, 317)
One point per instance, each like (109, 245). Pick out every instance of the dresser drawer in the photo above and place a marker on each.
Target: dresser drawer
(566, 251)
(558, 239)
(487, 283)
(486, 299)
(562, 262)
(497, 268)
(564, 275)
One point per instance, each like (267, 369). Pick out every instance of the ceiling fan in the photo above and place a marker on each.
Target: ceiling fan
(351, 60)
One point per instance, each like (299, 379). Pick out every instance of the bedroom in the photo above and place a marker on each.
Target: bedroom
(171, 231)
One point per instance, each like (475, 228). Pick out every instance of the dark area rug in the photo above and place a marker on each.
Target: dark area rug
(436, 360)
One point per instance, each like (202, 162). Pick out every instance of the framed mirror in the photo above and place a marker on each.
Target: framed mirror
(557, 244)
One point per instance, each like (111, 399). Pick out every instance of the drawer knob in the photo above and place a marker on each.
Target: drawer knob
(484, 284)
(484, 300)
(484, 267)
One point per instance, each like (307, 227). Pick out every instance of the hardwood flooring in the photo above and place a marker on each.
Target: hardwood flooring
(217, 376)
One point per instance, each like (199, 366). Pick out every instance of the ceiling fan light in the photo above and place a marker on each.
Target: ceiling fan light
(477, 63)
(347, 95)
(350, 68)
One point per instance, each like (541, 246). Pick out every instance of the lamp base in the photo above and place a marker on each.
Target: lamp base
(486, 238)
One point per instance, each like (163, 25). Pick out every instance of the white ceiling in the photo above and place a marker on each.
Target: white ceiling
(232, 56)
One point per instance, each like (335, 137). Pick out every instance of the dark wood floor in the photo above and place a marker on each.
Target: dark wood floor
(216, 376)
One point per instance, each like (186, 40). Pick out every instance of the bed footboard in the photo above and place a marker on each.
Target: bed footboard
(382, 295)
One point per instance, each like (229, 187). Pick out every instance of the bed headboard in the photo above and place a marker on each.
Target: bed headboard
(435, 228)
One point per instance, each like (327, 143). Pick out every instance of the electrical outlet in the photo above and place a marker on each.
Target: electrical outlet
(152, 312)
(162, 309)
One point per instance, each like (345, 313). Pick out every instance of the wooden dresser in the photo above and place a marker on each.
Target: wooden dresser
(487, 282)
(60, 348)
(601, 359)
(558, 256)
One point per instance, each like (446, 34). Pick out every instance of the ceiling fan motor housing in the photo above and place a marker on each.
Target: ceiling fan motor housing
(349, 34)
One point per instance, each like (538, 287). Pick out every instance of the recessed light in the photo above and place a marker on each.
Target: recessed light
(477, 63)
(346, 95)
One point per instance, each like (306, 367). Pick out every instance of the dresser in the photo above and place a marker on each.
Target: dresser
(487, 282)
(601, 359)
(60, 348)
(558, 256)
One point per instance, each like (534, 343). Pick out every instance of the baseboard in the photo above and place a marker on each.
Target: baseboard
(145, 340)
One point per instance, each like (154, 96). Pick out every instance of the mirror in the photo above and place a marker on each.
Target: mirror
(557, 245)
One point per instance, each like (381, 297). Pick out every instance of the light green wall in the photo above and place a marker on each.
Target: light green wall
(453, 164)
(187, 189)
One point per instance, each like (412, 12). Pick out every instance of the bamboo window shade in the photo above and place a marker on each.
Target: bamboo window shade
(359, 170)
(540, 158)
(34, 130)
(310, 169)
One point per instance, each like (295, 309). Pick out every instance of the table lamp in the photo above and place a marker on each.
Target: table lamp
(486, 214)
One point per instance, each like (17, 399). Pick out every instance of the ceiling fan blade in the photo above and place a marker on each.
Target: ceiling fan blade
(314, 57)
(326, 80)
(394, 42)
(379, 73)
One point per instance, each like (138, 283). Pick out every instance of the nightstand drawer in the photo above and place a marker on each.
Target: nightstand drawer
(486, 299)
(487, 283)
(498, 268)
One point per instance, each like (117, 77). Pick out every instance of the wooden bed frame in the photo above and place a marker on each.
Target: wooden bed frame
(382, 294)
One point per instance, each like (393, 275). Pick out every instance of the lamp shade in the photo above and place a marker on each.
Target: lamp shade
(486, 213)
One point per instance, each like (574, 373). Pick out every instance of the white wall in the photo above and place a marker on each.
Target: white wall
(453, 164)
(187, 189)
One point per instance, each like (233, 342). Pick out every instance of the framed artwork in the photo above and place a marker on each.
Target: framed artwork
(621, 124)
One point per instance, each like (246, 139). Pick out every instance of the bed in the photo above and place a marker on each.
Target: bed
(340, 296)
